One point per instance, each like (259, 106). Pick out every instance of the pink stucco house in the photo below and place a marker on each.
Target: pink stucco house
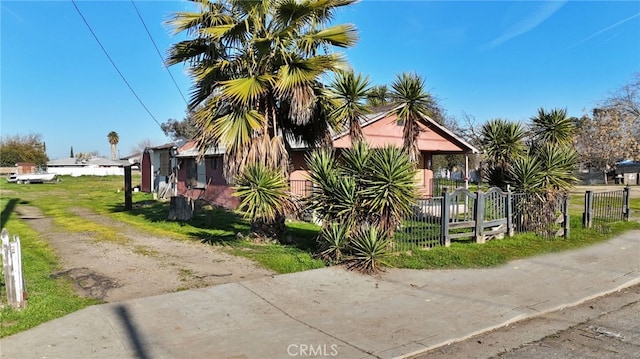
(204, 179)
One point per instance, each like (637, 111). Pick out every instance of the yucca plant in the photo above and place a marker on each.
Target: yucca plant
(557, 164)
(335, 197)
(370, 248)
(348, 92)
(389, 187)
(366, 187)
(355, 161)
(413, 103)
(553, 127)
(334, 242)
(502, 142)
(264, 198)
(526, 175)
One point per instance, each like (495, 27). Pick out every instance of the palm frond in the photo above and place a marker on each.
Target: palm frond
(246, 90)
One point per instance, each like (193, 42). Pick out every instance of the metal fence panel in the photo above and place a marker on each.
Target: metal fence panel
(421, 229)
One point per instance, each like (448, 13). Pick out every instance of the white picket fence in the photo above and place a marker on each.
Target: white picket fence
(12, 269)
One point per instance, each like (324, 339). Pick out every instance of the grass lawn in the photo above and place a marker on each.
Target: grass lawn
(211, 225)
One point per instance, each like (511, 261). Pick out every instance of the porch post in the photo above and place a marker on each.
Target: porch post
(466, 171)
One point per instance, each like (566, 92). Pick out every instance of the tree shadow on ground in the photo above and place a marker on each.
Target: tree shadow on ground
(7, 210)
(218, 226)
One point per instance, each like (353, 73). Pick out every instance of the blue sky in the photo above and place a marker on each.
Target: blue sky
(498, 59)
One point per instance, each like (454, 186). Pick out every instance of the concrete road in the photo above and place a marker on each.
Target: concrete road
(605, 328)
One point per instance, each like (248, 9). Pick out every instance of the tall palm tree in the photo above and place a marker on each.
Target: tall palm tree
(256, 67)
(553, 127)
(348, 92)
(414, 103)
(113, 141)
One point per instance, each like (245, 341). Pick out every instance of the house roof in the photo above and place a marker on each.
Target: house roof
(189, 149)
(166, 146)
(384, 112)
(95, 161)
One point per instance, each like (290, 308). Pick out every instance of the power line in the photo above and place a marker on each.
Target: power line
(158, 51)
(114, 64)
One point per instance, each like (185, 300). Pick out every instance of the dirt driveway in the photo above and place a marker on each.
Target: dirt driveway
(144, 266)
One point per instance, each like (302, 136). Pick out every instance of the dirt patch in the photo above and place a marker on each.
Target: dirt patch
(145, 265)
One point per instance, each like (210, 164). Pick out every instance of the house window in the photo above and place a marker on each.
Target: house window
(214, 163)
(196, 173)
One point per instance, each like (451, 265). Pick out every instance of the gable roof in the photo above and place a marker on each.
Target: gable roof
(189, 149)
(385, 112)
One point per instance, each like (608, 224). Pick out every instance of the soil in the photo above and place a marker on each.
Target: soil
(144, 266)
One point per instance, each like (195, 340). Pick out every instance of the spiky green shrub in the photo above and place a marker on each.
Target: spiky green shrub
(370, 248)
(334, 244)
(264, 198)
(364, 188)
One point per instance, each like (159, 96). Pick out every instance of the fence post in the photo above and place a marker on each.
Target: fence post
(12, 267)
(565, 214)
(509, 208)
(587, 215)
(128, 197)
(479, 217)
(625, 203)
(444, 218)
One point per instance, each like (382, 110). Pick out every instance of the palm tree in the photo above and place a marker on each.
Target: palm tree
(256, 67)
(553, 127)
(113, 141)
(413, 104)
(348, 93)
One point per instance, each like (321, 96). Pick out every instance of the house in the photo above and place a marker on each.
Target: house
(628, 172)
(95, 166)
(158, 167)
(204, 179)
(381, 128)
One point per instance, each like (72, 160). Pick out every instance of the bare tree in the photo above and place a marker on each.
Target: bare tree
(625, 102)
(140, 146)
(612, 132)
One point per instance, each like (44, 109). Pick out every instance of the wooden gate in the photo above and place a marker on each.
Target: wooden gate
(479, 215)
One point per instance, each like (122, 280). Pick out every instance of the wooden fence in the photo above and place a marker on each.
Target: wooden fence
(12, 269)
